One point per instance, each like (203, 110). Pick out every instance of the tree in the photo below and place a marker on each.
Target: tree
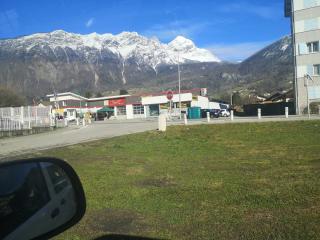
(88, 94)
(99, 94)
(236, 99)
(123, 92)
(9, 98)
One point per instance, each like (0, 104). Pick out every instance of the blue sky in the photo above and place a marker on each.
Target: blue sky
(232, 29)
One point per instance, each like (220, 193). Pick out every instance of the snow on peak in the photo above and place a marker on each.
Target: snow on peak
(148, 51)
(188, 51)
(182, 40)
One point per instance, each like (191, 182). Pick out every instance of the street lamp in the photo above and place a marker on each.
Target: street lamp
(308, 77)
(179, 78)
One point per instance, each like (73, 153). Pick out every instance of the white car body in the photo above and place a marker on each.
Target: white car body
(225, 113)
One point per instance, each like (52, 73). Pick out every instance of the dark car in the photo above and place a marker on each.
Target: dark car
(214, 113)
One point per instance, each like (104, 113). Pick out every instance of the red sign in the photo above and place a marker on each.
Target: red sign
(169, 95)
(117, 102)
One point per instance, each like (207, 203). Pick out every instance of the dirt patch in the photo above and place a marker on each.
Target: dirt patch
(256, 216)
(116, 221)
(315, 163)
(157, 182)
(132, 171)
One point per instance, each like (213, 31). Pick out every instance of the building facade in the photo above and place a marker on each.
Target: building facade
(71, 106)
(305, 26)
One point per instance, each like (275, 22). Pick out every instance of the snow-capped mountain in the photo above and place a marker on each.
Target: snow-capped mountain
(37, 64)
(149, 51)
(126, 48)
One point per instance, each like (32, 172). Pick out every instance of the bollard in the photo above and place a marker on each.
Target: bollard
(185, 119)
(83, 122)
(78, 122)
(66, 122)
(259, 113)
(162, 123)
(231, 115)
(208, 117)
(287, 112)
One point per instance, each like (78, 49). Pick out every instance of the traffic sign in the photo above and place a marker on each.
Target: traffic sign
(169, 95)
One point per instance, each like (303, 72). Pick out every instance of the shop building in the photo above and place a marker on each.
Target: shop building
(72, 105)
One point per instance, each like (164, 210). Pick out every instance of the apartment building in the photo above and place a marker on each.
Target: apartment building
(305, 24)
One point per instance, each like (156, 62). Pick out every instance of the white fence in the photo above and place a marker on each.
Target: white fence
(20, 118)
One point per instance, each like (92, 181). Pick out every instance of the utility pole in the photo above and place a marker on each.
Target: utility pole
(179, 77)
(308, 77)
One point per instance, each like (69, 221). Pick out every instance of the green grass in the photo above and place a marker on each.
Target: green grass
(239, 181)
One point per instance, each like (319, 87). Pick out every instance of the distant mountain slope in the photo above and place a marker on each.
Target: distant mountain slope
(40, 62)
(37, 64)
(271, 68)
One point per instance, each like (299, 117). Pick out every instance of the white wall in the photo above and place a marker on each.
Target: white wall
(202, 102)
(214, 105)
(307, 25)
(303, 4)
(129, 110)
(185, 97)
(298, 5)
(64, 98)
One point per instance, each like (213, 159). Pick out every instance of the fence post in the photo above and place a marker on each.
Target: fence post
(11, 123)
(22, 116)
(29, 117)
(185, 119)
(287, 112)
(259, 113)
(36, 115)
(51, 116)
(162, 123)
(208, 117)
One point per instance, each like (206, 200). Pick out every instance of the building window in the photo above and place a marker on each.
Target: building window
(316, 69)
(121, 110)
(311, 3)
(138, 109)
(313, 47)
(311, 24)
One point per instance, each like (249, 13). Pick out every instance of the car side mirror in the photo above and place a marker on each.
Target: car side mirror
(39, 198)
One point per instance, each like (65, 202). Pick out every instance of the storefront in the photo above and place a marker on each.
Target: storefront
(72, 105)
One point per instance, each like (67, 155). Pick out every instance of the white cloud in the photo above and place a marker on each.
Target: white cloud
(238, 51)
(89, 22)
(167, 32)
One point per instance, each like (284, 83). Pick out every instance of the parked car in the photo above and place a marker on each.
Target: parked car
(224, 113)
(214, 113)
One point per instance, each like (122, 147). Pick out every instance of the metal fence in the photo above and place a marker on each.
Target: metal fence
(20, 118)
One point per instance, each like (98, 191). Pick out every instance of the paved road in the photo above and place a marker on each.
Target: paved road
(73, 134)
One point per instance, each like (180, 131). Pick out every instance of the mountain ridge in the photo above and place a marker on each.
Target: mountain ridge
(40, 63)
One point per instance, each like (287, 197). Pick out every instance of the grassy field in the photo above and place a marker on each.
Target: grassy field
(234, 181)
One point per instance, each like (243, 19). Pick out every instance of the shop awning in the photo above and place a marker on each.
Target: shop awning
(105, 109)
